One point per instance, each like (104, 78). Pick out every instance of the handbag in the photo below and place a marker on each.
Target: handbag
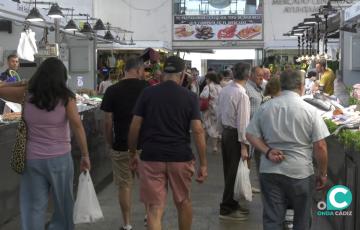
(18, 156)
(204, 102)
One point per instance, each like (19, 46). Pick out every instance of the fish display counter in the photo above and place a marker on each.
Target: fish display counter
(343, 161)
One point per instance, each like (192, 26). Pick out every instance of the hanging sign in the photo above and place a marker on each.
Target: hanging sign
(306, 6)
(218, 27)
(352, 12)
(15, 8)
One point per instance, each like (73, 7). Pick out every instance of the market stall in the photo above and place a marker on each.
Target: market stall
(343, 158)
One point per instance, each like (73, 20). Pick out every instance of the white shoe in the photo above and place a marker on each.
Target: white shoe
(255, 190)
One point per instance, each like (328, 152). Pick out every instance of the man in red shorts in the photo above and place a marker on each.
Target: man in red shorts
(164, 114)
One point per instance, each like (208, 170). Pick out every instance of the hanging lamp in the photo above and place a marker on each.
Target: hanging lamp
(108, 36)
(34, 15)
(99, 25)
(86, 28)
(71, 25)
(55, 11)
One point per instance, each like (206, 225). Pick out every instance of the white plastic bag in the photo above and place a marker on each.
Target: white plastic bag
(242, 187)
(87, 208)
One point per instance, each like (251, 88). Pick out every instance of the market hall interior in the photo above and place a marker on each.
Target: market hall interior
(96, 42)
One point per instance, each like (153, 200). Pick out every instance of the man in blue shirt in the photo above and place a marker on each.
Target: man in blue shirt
(10, 75)
(165, 113)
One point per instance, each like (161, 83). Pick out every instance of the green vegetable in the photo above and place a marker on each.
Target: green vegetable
(349, 138)
(331, 125)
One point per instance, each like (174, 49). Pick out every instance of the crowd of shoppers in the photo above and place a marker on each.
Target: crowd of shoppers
(148, 127)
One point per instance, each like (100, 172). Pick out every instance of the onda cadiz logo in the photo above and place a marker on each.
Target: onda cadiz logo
(338, 198)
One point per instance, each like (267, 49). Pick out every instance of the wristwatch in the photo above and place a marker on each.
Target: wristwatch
(267, 153)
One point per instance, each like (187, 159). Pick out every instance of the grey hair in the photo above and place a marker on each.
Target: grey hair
(241, 71)
(322, 62)
(172, 75)
(133, 63)
(291, 80)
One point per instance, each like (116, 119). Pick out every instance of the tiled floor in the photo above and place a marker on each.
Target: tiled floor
(206, 199)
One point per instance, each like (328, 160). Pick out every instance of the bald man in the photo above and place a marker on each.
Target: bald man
(267, 75)
(255, 93)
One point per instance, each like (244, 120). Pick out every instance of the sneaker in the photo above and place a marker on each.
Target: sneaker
(289, 219)
(145, 221)
(234, 216)
(255, 190)
(125, 228)
(243, 210)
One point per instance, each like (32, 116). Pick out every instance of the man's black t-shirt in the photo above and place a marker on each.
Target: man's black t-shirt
(167, 110)
(120, 99)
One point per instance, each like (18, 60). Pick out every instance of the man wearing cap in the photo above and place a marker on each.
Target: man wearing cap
(118, 103)
(165, 113)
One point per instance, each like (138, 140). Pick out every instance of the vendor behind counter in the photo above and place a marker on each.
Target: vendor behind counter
(10, 74)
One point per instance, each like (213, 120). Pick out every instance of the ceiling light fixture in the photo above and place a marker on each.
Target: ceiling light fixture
(297, 34)
(34, 15)
(108, 36)
(71, 25)
(296, 29)
(132, 41)
(99, 25)
(303, 26)
(55, 11)
(311, 21)
(86, 28)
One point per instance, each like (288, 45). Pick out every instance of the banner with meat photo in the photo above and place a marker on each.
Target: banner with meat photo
(218, 27)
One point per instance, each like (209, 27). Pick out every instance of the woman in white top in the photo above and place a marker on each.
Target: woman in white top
(109, 81)
(211, 91)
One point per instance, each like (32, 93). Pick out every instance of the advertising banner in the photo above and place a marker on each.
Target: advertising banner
(218, 27)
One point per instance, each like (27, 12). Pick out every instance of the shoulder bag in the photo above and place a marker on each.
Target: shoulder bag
(18, 156)
(204, 102)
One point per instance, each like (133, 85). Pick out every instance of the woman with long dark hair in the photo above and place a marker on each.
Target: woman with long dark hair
(49, 108)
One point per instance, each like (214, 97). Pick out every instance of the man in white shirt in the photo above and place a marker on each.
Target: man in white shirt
(233, 115)
(290, 133)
